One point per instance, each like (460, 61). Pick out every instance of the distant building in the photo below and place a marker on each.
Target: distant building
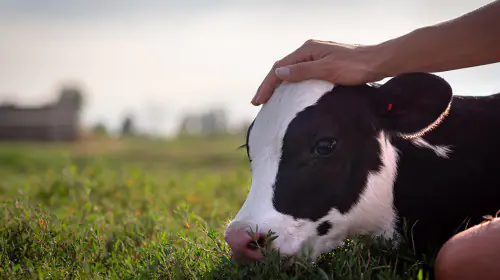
(53, 122)
(209, 123)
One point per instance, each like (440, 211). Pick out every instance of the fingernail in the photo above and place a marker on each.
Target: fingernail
(255, 99)
(282, 71)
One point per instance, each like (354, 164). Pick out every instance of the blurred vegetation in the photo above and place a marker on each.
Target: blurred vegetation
(148, 209)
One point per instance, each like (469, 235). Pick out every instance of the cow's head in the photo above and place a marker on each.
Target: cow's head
(322, 162)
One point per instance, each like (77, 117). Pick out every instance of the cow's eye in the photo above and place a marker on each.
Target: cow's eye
(324, 147)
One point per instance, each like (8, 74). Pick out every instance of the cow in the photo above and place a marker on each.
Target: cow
(329, 162)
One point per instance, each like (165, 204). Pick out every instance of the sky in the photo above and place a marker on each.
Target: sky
(161, 59)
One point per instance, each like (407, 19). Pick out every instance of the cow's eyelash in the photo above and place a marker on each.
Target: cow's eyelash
(242, 146)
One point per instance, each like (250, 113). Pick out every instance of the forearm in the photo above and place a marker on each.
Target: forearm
(470, 40)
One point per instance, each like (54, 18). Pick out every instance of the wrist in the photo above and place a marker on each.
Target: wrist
(404, 54)
(374, 60)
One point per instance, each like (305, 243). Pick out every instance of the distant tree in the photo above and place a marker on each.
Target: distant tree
(214, 122)
(100, 129)
(127, 126)
(188, 125)
(71, 95)
(211, 123)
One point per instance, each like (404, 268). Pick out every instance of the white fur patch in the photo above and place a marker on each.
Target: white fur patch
(265, 143)
(440, 151)
(374, 210)
(372, 214)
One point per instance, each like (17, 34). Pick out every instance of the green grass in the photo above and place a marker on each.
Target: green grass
(140, 209)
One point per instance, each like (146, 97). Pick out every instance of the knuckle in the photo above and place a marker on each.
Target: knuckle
(310, 42)
(310, 45)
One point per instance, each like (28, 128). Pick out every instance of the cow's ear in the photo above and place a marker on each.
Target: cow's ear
(412, 103)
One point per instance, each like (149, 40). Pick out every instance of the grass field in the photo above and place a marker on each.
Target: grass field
(144, 209)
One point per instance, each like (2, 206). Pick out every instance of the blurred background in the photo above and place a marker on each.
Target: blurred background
(160, 68)
(120, 120)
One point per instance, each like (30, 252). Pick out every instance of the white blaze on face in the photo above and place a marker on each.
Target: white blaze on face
(374, 208)
(265, 143)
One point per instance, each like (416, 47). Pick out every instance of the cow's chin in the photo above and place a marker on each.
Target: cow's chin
(311, 247)
(296, 238)
(299, 240)
(308, 250)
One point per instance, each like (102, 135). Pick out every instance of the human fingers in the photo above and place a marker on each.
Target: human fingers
(271, 81)
(303, 71)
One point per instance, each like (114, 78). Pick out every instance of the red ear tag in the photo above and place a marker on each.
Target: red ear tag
(389, 107)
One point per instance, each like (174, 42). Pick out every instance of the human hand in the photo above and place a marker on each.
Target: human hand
(334, 62)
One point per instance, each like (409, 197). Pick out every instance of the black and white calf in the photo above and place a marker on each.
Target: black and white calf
(329, 162)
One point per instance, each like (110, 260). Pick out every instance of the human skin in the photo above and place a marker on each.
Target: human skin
(471, 254)
(472, 39)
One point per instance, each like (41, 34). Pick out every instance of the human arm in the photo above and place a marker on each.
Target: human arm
(470, 40)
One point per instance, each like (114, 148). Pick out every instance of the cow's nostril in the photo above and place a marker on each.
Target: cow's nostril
(260, 242)
(245, 247)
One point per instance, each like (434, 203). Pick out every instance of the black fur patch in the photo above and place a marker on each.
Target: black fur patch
(307, 186)
(323, 228)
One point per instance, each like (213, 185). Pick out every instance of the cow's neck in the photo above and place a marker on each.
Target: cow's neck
(451, 167)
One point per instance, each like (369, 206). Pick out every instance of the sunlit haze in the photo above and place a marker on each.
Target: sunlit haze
(160, 59)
